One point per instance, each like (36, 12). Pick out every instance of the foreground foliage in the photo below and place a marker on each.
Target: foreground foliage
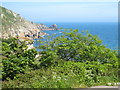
(16, 58)
(72, 60)
(68, 74)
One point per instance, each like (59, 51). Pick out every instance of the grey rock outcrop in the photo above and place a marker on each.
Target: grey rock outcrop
(54, 26)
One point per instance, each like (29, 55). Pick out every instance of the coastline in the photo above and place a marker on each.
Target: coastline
(49, 29)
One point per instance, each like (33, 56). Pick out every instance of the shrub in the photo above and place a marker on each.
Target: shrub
(16, 57)
(67, 74)
(77, 47)
(74, 46)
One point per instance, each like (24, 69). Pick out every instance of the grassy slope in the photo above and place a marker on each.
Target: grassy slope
(8, 19)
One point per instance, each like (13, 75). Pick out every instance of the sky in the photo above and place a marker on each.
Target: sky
(65, 11)
(60, 0)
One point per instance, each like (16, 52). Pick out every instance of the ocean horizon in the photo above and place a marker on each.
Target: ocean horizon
(106, 31)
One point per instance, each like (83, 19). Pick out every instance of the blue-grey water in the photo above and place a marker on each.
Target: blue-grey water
(107, 31)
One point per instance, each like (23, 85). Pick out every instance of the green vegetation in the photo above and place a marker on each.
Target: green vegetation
(16, 58)
(9, 19)
(72, 60)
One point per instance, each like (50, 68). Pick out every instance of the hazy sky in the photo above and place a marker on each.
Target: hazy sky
(66, 11)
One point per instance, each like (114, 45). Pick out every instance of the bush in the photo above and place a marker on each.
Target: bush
(16, 57)
(85, 48)
(74, 46)
(67, 74)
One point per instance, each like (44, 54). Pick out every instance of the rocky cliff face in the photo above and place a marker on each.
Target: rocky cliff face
(13, 25)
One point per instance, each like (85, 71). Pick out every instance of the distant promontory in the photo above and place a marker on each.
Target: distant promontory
(13, 25)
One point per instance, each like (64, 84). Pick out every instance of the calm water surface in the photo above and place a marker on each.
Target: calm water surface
(108, 32)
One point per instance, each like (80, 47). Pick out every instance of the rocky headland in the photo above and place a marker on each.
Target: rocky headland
(13, 25)
(52, 27)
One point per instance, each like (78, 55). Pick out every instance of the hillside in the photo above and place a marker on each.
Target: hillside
(14, 25)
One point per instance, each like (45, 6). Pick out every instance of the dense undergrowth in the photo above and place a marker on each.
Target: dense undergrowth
(72, 60)
(16, 58)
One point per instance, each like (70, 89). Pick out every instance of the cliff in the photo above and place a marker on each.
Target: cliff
(13, 25)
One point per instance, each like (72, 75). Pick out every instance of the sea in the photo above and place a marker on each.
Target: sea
(106, 31)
